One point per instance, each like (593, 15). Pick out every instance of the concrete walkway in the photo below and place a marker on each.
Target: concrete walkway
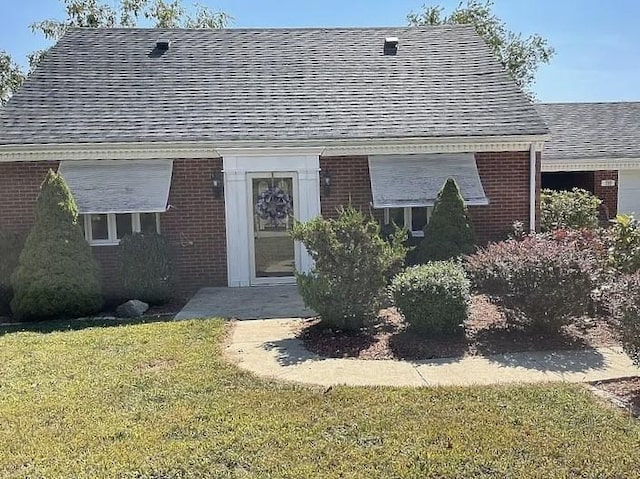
(261, 302)
(270, 349)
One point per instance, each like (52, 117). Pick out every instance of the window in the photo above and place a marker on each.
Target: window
(413, 219)
(109, 229)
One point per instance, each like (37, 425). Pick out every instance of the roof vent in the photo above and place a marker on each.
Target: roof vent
(390, 45)
(163, 45)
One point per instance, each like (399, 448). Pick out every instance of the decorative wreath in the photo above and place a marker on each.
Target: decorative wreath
(274, 205)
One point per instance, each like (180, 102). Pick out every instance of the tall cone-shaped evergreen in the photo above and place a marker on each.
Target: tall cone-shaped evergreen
(449, 232)
(57, 275)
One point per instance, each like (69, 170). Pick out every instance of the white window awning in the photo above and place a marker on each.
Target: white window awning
(119, 186)
(415, 180)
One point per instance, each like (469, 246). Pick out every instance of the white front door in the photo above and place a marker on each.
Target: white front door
(273, 207)
(259, 249)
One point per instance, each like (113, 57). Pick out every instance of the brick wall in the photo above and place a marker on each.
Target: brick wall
(19, 187)
(350, 184)
(608, 194)
(195, 224)
(504, 175)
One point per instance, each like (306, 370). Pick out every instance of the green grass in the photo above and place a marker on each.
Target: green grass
(157, 400)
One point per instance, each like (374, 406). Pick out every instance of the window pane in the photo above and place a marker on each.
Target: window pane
(99, 227)
(396, 215)
(418, 218)
(123, 225)
(148, 223)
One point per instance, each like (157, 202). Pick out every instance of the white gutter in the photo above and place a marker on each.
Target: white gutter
(532, 188)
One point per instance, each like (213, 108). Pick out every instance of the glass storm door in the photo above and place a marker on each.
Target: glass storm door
(272, 207)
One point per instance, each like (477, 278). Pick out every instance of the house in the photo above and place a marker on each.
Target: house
(595, 146)
(188, 132)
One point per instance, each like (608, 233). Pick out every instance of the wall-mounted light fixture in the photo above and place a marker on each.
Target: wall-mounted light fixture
(325, 180)
(217, 183)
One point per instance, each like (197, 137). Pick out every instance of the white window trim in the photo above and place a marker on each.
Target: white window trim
(408, 220)
(112, 228)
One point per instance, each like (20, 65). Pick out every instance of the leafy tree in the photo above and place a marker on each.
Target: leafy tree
(11, 77)
(449, 232)
(56, 275)
(127, 14)
(519, 56)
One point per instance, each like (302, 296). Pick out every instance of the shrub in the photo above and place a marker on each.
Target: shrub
(353, 265)
(57, 274)
(10, 247)
(433, 298)
(146, 265)
(624, 244)
(449, 232)
(568, 209)
(624, 301)
(542, 281)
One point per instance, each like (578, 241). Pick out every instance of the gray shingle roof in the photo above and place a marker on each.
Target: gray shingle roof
(107, 85)
(591, 130)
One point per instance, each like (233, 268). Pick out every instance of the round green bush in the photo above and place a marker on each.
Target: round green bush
(352, 267)
(568, 209)
(146, 266)
(433, 298)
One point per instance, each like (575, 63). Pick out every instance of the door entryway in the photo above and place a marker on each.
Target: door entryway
(272, 211)
(263, 195)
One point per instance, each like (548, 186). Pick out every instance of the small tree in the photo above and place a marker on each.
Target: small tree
(353, 265)
(56, 275)
(568, 209)
(449, 232)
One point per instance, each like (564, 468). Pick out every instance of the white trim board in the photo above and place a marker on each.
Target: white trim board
(591, 164)
(329, 147)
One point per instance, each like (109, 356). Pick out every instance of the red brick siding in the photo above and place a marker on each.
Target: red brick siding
(608, 194)
(195, 224)
(19, 187)
(350, 184)
(504, 175)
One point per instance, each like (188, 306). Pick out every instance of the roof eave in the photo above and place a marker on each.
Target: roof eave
(215, 149)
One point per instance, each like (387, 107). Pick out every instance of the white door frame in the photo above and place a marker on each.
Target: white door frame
(255, 280)
(236, 169)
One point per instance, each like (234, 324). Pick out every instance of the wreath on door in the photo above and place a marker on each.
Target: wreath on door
(274, 205)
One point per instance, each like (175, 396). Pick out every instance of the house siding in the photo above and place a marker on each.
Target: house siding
(194, 224)
(504, 175)
(608, 194)
(195, 221)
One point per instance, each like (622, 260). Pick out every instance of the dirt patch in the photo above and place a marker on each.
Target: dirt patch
(156, 365)
(626, 390)
(485, 332)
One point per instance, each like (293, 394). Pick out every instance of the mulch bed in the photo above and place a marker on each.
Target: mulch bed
(486, 332)
(626, 390)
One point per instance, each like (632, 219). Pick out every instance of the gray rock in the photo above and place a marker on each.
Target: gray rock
(132, 309)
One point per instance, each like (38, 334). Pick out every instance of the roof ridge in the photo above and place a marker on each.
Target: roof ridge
(276, 29)
(613, 102)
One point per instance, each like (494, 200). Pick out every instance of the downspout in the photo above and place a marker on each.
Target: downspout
(532, 188)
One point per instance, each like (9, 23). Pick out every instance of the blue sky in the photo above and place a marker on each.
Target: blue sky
(597, 42)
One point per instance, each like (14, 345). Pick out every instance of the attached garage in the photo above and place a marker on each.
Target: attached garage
(629, 192)
(598, 143)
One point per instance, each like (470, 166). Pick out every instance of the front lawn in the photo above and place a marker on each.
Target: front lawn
(157, 400)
